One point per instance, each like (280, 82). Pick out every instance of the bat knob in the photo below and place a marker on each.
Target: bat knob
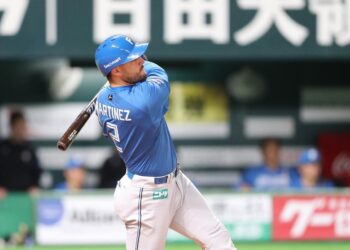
(62, 146)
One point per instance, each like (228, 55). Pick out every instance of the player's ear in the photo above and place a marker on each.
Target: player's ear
(117, 72)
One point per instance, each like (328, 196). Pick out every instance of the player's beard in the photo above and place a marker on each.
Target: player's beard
(139, 77)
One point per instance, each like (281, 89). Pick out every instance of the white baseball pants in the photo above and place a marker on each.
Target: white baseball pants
(149, 209)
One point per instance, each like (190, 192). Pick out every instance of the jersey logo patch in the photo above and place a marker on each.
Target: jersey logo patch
(160, 194)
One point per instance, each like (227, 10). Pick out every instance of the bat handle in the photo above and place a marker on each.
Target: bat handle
(67, 138)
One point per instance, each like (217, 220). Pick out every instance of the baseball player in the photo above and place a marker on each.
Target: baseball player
(154, 194)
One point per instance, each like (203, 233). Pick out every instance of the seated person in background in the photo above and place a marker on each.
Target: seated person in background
(310, 169)
(112, 170)
(19, 166)
(270, 175)
(74, 175)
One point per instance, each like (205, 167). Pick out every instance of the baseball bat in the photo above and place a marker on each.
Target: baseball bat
(73, 130)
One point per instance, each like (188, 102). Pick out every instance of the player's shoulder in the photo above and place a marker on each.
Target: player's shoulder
(103, 94)
(148, 65)
(154, 72)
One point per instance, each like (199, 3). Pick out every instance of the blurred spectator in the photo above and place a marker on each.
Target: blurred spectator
(19, 167)
(111, 171)
(74, 174)
(269, 175)
(310, 169)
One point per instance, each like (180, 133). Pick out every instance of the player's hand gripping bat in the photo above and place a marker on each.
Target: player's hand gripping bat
(67, 138)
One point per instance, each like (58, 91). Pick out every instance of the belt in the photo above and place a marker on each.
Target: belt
(157, 180)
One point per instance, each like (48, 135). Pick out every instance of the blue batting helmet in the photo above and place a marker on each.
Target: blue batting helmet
(310, 155)
(74, 162)
(117, 50)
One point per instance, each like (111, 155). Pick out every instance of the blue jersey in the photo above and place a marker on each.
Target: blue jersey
(262, 177)
(297, 184)
(133, 117)
(63, 186)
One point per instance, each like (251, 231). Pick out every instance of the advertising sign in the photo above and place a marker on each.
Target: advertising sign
(335, 149)
(78, 220)
(91, 219)
(198, 111)
(192, 29)
(311, 217)
(247, 217)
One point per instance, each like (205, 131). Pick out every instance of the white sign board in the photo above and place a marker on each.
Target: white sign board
(87, 219)
(50, 121)
(247, 217)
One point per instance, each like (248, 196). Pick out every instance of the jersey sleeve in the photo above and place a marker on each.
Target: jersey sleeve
(156, 90)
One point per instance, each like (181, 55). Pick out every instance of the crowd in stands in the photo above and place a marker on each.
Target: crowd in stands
(20, 169)
(74, 173)
(272, 176)
(19, 165)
